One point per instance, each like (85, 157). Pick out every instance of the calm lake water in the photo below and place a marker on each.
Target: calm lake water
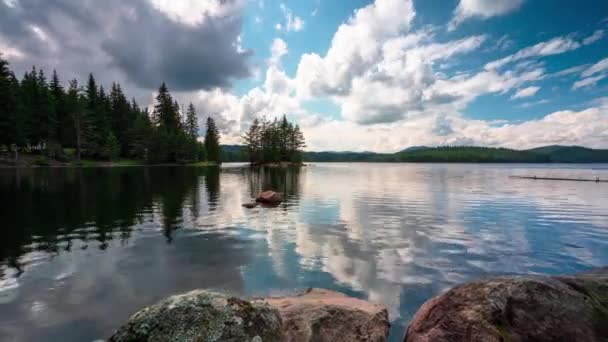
(82, 249)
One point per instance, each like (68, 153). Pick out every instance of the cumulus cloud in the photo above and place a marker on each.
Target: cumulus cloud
(525, 92)
(354, 48)
(194, 12)
(388, 79)
(141, 42)
(383, 76)
(277, 50)
(482, 9)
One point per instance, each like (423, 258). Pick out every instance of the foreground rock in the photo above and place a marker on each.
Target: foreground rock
(568, 308)
(269, 197)
(322, 315)
(203, 316)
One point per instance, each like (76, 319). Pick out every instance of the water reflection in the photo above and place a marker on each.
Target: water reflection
(82, 249)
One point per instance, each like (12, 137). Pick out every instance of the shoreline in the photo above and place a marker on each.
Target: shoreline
(99, 164)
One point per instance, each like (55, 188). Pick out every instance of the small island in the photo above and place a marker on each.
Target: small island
(274, 143)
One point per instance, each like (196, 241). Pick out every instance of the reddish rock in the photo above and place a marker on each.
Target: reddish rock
(573, 308)
(326, 316)
(269, 197)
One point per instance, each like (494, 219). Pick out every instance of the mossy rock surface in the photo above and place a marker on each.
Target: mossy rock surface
(203, 316)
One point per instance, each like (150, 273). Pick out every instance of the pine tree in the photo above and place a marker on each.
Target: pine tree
(191, 124)
(212, 142)
(76, 109)
(165, 115)
(64, 132)
(45, 111)
(12, 123)
(122, 118)
(252, 140)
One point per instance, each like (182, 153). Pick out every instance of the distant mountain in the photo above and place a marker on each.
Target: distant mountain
(572, 154)
(449, 154)
(414, 148)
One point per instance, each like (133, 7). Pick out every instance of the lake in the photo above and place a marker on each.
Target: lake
(82, 249)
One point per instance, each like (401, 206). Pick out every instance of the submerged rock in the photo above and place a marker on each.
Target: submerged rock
(269, 197)
(564, 308)
(250, 205)
(201, 316)
(322, 315)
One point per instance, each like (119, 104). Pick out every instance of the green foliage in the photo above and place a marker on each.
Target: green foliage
(212, 142)
(40, 115)
(111, 148)
(274, 141)
(12, 123)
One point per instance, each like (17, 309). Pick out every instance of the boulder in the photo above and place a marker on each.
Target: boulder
(269, 197)
(203, 316)
(535, 308)
(327, 316)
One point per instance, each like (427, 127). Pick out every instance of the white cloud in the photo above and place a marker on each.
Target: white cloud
(588, 82)
(278, 26)
(597, 35)
(532, 104)
(482, 9)
(292, 22)
(569, 71)
(384, 77)
(277, 50)
(11, 3)
(525, 92)
(9, 52)
(554, 46)
(600, 66)
(193, 12)
(355, 47)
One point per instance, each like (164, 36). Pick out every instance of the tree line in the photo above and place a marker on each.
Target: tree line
(274, 141)
(41, 116)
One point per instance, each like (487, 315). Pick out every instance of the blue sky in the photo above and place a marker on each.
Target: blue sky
(512, 115)
(532, 22)
(356, 75)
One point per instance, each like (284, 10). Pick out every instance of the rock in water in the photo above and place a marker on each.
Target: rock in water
(568, 308)
(327, 316)
(201, 316)
(250, 205)
(269, 197)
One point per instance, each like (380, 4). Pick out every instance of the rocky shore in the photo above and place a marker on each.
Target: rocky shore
(528, 308)
(314, 316)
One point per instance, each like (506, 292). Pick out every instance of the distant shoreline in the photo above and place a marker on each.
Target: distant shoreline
(447, 154)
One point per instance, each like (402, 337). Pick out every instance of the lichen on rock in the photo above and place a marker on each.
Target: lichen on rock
(202, 316)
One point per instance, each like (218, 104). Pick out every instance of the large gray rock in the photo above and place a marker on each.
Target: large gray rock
(203, 316)
(567, 308)
(326, 316)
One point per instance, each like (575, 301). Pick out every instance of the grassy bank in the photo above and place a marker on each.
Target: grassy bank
(39, 161)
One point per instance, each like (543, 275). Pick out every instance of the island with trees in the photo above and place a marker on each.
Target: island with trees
(276, 142)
